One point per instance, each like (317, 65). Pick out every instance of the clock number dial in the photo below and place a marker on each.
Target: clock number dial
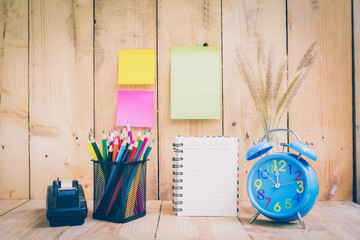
(261, 194)
(301, 187)
(277, 207)
(297, 197)
(258, 184)
(281, 169)
(288, 204)
(261, 174)
(274, 187)
(268, 168)
(269, 200)
(274, 165)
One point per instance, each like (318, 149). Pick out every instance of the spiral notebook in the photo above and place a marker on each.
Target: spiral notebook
(205, 173)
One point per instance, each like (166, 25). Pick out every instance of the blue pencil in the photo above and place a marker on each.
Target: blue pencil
(147, 152)
(115, 168)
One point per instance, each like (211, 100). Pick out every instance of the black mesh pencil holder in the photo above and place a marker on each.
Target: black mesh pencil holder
(119, 191)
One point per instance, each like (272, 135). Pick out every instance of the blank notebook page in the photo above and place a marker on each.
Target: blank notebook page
(209, 176)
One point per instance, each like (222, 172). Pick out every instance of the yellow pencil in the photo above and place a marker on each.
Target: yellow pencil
(138, 136)
(91, 149)
(100, 150)
(94, 143)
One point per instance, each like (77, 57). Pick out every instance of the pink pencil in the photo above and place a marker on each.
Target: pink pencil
(130, 133)
(142, 146)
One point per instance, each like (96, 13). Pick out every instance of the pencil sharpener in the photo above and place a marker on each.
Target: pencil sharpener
(65, 205)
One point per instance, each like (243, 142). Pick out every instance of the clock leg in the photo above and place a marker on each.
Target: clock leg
(300, 220)
(254, 217)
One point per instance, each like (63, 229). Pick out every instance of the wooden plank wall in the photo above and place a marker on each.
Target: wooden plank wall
(322, 112)
(61, 91)
(14, 110)
(240, 34)
(58, 69)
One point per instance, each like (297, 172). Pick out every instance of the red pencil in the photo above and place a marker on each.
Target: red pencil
(133, 151)
(115, 151)
(117, 135)
(146, 137)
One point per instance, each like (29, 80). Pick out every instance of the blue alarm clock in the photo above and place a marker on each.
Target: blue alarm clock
(282, 186)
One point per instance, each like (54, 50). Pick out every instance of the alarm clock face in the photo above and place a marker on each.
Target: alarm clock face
(277, 185)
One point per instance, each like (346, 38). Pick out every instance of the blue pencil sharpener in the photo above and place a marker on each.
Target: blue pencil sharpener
(65, 203)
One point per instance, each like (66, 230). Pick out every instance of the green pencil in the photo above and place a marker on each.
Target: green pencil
(104, 146)
(96, 149)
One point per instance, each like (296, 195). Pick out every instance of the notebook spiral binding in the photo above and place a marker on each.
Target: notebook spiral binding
(177, 180)
(177, 144)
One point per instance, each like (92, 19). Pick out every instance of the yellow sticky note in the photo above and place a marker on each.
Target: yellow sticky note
(136, 66)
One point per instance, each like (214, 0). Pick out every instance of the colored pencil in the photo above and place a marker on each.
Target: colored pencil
(134, 181)
(104, 145)
(100, 150)
(90, 147)
(99, 157)
(121, 151)
(147, 152)
(130, 133)
(139, 196)
(138, 136)
(131, 191)
(131, 156)
(110, 154)
(115, 151)
(96, 149)
(114, 196)
(140, 144)
(143, 146)
(117, 135)
(126, 153)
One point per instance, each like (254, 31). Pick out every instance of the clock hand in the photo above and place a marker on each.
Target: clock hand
(268, 176)
(277, 177)
(288, 183)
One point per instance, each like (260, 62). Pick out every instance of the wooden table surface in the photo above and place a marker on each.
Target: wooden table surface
(26, 219)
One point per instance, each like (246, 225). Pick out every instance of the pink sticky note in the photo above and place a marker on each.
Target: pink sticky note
(135, 107)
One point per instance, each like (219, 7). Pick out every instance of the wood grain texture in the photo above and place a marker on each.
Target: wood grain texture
(243, 23)
(182, 23)
(142, 228)
(174, 227)
(61, 92)
(322, 111)
(28, 222)
(323, 222)
(356, 13)
(8, 205)
(14, 147)
(123, 25)
(327, 220)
